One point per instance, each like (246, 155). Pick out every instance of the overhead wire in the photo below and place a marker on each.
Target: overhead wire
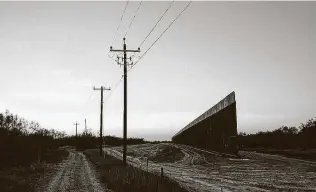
(113, 90)
(159, 36)
(157, 23)
(139, 5)
(113, 41)
(120, 22)
(153, 28)
(84, 112)
(119, 81)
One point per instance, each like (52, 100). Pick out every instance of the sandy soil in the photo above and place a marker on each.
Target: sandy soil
(74, 174)
(202, 171)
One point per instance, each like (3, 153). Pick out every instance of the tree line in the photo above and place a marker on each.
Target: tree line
(285, 137)
(23, 142)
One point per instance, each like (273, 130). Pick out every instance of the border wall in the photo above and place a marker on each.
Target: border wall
(216, 129)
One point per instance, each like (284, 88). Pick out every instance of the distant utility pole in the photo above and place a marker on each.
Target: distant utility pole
(124, 50)
(85, 125)
(101, 114)
(76, 131)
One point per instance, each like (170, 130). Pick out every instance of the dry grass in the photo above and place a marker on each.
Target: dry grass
(120, 178)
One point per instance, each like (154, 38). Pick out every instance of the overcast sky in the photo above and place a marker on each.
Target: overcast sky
(53, 53)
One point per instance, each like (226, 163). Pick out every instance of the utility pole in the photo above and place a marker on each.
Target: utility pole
(124, 50)
(76, 132)
(101, 114)
(85, 125)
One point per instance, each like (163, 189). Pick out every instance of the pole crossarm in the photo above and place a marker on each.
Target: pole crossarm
(118, 50)
(76, 123)
(102, 88)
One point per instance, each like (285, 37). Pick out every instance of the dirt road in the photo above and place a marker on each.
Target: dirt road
(200, 171)
(74, 174)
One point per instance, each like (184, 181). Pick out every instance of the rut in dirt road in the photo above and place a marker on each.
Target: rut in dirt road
(75, 174)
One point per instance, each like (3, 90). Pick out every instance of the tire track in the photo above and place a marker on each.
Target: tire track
(75, 174)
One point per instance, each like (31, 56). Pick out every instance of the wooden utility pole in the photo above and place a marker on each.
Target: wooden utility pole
(76, 132)
(124, 50)
(101, 115)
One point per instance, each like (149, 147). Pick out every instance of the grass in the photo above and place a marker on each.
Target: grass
(119, 178)
(27, 178)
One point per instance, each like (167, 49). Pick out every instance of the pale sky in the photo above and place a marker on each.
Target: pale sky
(53, 53)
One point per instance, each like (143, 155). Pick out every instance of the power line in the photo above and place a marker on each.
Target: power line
(120, 80)
(126, 71)
(160, 35)
(157, 23)
(89, 98)
(113, 89)
(133, 18)
(119, 25)
(84, 112)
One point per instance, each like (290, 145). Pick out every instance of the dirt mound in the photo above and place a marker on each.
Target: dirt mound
(167, 153)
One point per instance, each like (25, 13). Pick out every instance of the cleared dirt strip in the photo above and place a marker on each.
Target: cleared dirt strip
(201, 171)
(75, 174)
